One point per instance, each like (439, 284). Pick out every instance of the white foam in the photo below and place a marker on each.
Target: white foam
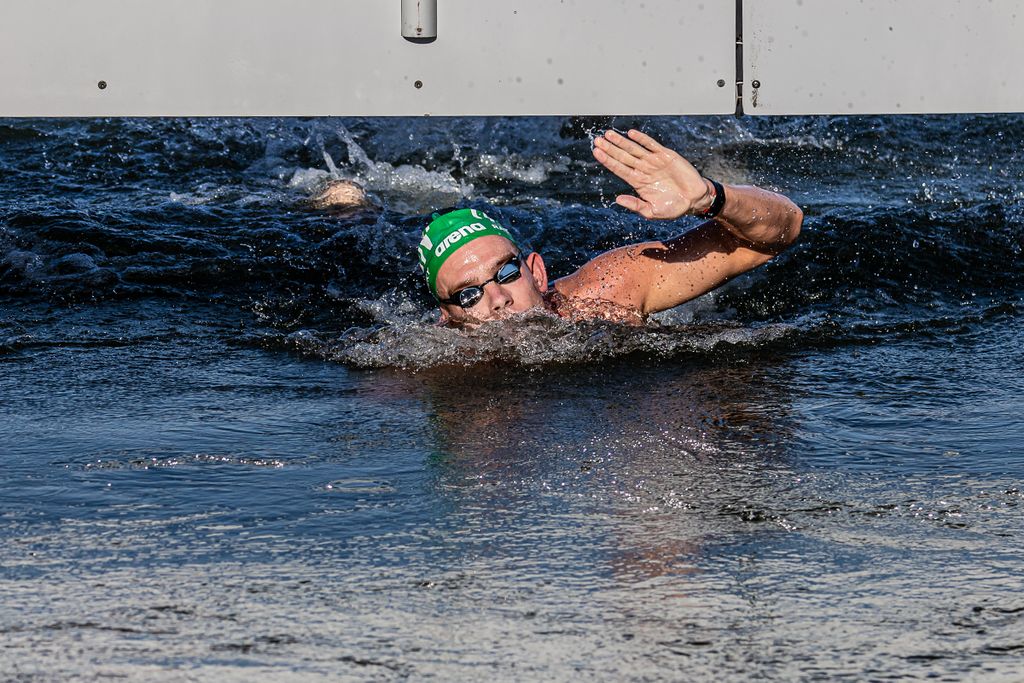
(534, 171)
(531, 338)
(407, 188)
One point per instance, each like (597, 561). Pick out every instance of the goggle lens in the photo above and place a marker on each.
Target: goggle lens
(470, 296)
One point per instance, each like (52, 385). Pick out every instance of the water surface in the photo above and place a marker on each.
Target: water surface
(234, 446)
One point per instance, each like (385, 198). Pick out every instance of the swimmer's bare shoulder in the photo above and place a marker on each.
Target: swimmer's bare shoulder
(611, 277)
(582, 308)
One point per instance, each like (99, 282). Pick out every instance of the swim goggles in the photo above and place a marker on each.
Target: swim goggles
(470, 296)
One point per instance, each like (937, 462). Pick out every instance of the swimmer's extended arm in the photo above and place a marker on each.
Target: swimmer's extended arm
(753, 226)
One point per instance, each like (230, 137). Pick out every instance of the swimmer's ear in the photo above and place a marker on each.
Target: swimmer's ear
(540, 273)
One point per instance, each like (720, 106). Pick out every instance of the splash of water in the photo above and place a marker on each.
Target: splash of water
(406, 188)
(532, 338)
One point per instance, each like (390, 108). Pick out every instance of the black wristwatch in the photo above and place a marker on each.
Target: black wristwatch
(718, 202)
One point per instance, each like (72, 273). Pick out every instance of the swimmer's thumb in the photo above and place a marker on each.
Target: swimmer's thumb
(636, 205)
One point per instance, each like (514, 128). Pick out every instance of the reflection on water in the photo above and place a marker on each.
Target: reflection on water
(648, 452)
(640, 518)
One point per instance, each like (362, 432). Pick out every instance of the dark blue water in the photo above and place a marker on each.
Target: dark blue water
(234, 447)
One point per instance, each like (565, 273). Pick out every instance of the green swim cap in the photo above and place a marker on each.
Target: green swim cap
(446, 233)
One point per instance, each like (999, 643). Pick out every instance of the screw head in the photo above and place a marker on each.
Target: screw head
(418, 84)
(755, 84)
(102, 85)
(721, 82)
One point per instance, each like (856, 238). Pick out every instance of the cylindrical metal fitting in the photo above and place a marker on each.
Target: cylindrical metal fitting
(419, 20)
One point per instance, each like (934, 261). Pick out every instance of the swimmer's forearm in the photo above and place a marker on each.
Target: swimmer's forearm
(767, 220)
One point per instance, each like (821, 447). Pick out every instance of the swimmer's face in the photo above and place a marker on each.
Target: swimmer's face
(479, 261)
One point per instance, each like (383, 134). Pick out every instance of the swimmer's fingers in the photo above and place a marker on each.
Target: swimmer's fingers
(625, 144)
(636, 205)
(617, 153)
(628, 174)
(647, 141)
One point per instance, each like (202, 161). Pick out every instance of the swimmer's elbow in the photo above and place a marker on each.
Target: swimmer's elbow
(795, 223)
(791, 230)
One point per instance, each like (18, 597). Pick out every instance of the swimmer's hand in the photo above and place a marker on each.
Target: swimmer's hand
(667, 184)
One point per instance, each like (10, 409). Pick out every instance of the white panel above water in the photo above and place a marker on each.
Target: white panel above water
(883, 56)
(348, 57)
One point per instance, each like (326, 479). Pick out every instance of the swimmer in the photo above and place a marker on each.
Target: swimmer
(340, 195)
(477, 273)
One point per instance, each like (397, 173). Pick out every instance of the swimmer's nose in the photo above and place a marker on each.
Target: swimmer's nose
(499, 298)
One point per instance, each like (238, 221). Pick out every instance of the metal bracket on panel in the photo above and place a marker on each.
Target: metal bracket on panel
(419, 20)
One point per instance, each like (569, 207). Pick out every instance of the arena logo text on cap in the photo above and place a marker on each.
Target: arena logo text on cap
(446, 233)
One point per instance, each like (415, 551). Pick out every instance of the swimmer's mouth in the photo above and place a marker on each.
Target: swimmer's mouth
(472, 323)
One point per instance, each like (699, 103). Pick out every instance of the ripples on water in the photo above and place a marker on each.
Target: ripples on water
(233, 439)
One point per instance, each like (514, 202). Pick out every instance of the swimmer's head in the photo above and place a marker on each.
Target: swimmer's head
(340, 195)
(475, 270)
